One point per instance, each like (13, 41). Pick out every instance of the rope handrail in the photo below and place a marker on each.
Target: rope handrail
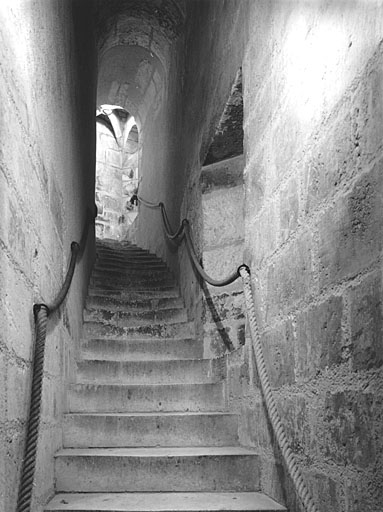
(243, 271)
(41, 313)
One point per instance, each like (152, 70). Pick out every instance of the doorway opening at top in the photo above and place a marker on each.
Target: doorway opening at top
(117, 172)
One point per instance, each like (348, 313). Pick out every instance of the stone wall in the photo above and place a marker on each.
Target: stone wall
(313, 238)
(46, 184)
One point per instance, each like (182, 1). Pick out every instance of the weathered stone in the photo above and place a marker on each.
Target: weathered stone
(350, 232)
(290, 276)
(318, 338)
(224, 174)
(366, 323)
(289, 209)
(279, 352)
(347, 424)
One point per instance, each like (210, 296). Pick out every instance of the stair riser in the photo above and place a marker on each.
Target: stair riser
(138, 350)
(151, 294)
(81, 431)
(122, 265)
(134, 282)
(136, 257)
(133, 305)
(99, 330)
(101, 398)
(181, 473)
(135, 319)
(147, 372)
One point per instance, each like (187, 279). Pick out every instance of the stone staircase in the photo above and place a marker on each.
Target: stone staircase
(148, 428)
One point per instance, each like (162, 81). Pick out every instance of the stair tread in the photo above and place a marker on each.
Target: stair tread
(164, 502)
(152, 452)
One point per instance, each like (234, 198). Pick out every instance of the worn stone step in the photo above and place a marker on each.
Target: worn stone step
(164, 502)
(198, 469)
(94, 329)
(178, 371)
(136, 304)
(132, 282)
(146, 398)
(135, 292)
(163, 349)
(160, 293)
(127, 256)
(149, 429)
(120, 248)
(131, 262)
(127, 272)
(135, 318)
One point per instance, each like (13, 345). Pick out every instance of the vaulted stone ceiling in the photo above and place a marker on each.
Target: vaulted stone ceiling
(134, 39)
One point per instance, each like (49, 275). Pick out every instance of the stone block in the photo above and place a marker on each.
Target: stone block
(287, 139)
(56, 206)
(368, 112)
(50, 441)
(346, 428)
(332, 162)
(254, 427)
(15, 232)
(290, 276)
(318, 338)
(221, 262)
(262, 234)
(18, 379)
(255, 177)
(3, 391)
(16, 303)
(288, 209)
(350, 233)
(224, 174)
(14, 450)
(278, 345)
(294, 412)
(223, 216)
(366, 323)
(325, 490)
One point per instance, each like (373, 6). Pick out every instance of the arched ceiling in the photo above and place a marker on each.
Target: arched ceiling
(152, 24)
(134, 39)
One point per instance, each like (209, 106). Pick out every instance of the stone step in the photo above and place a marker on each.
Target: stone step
(121, 248)
(159, 293)
(130, 318)
(196, 469)
(132, 349)
(94, 329)
(127, 256)
(164, 502)
(150, 429)
(111, 262)
(146, 398)
(134, 291)
(127, 271)
(132, 282)
(179, 371)
(137, 304)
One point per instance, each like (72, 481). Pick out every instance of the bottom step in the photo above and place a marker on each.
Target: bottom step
(164, 502)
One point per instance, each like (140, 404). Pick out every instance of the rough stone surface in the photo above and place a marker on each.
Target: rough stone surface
(46, 180)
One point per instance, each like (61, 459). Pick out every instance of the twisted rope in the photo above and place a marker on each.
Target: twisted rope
(41, 314)
(244, 272)
(288, 455)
